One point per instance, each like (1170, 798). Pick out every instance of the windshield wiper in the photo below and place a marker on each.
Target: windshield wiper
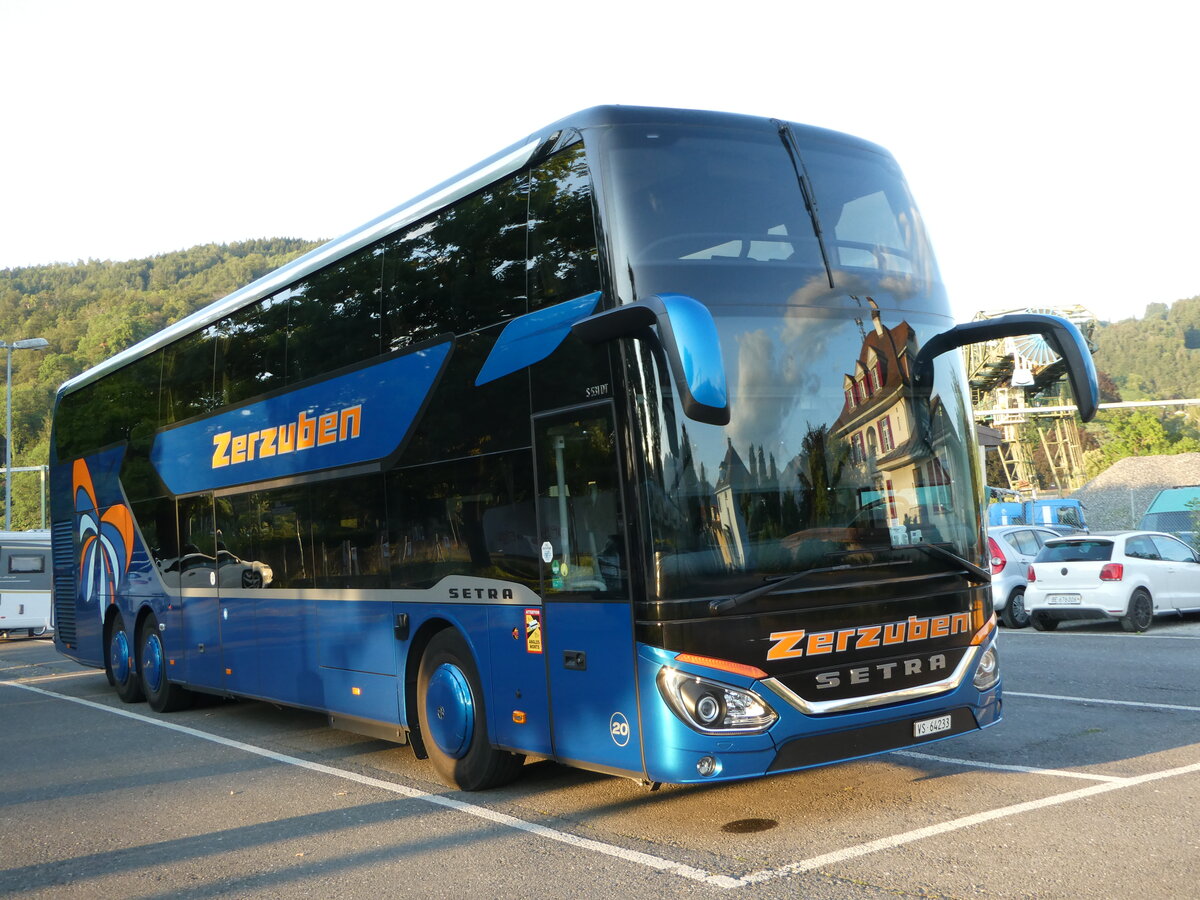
(719, 607)
(983, 576)
(810, 200)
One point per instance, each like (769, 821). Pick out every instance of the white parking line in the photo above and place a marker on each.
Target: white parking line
(1172, 706)
(1027, 770)
(38, 679)
(644, 859)
(898, 840)
(634, 856)
(1115, 635)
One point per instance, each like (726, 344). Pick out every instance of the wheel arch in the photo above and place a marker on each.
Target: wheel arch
(1144, 588)
(110, 614)
(412, 664)
(144, 612)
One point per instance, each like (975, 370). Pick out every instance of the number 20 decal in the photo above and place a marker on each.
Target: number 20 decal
(618, 727)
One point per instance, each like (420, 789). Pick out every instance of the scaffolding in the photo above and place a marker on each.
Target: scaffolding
(1017, 384)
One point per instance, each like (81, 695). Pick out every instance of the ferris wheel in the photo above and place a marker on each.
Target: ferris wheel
(1032, 349)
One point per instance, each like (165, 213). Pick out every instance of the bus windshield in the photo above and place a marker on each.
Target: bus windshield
(830, 458)
(744, 216)
(828, 454)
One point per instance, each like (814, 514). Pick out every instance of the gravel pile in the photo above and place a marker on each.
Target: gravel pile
(1117, 498)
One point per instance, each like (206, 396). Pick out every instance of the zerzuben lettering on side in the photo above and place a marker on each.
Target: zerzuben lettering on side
(306, 432)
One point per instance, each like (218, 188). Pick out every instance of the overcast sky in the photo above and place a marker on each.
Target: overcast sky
(1050, 145)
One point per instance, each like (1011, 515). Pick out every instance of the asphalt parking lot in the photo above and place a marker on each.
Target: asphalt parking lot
(1089, 788)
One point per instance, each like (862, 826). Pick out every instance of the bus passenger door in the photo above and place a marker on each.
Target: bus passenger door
(588, 628)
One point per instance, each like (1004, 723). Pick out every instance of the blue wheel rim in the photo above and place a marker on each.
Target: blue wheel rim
(152, 663)
(118, 655)
(450, 710)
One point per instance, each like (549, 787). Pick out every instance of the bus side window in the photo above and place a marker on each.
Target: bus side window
(267, 537)
(469, 517)
(458, 270)
(349, 532)
(250, 350)
(159, 529)
(563, 262)
(187, 378)
(334, 317)
(195, 566)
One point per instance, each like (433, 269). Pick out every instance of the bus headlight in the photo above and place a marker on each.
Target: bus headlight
(987, 673)
(712, 707)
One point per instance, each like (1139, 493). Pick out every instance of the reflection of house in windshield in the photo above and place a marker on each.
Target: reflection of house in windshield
(910, 487)
(733, 481)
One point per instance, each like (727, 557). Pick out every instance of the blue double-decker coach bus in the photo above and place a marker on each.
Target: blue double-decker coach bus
(638, 447)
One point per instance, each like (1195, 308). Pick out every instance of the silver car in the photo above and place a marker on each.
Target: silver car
(1012, 548)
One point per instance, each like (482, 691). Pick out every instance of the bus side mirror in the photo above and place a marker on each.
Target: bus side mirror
(687, 335)
(1061, 334)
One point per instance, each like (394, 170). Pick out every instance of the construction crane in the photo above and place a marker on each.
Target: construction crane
(1013, 380)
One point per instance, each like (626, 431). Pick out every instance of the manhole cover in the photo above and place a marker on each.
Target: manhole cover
(748, 826)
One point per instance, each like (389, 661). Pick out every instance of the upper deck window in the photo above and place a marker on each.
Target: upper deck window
(720, 214)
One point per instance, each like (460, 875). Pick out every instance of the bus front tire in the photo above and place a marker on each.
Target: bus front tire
(454, 721)
(161, 694)
(120, 663)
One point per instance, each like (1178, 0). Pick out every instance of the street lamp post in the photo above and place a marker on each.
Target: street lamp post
(26, 344)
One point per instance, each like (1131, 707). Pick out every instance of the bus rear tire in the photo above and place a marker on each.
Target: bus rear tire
(161, 694)
(120, 662)
(454, 720)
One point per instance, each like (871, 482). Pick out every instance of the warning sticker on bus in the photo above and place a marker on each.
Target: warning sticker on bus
(533, 631)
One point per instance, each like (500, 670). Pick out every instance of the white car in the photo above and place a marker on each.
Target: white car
(227, 571)
(1011, 549)
(1130, 576)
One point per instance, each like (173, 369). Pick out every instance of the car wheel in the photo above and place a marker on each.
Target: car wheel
(162, 695)
(453, 718)
(120, 663)
(1043, 622)
(1140, 613)
(1014, 614)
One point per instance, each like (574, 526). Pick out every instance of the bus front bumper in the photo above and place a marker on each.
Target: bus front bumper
(678, 754)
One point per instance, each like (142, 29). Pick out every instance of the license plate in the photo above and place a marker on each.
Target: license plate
(1063, 599)
(931, 726)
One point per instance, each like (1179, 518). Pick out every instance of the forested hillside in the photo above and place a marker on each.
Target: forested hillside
(90, 310)
(1156, 357)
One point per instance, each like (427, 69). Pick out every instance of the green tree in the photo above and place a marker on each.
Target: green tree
(1137, 432)
(92, 310)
